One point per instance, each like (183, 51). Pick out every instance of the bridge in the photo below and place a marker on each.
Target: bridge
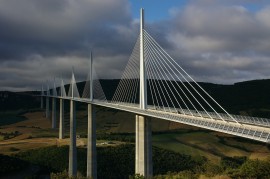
(153, 85)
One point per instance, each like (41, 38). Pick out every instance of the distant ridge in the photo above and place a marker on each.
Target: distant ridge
(247, 97)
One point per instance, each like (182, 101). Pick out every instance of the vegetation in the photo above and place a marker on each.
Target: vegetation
(125, 137)
(10, 117)
(168, 158)
(64, 175)
(47, 157)
(11, 101)
(11, 164)
(9, 135)
(118, 162)
(186, 174)
(252, 97)
(249, 98)
(232, 162)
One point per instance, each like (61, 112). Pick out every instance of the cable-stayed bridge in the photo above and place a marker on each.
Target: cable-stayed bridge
(153, 85)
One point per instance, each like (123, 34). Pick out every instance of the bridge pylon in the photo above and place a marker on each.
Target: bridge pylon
(41, 98)
(143, 160)
(62, 111)
(53, 113)
(91, 137)
(72, 170)
(91, 144)
(47, 103)
(61, 119)
(54, 106)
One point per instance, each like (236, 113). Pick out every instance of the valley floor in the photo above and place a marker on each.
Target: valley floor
(35, 132)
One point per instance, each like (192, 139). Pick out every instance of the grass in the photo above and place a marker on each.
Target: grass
(254, 149)
(208, 144)
(170, 142)
(7, 149)
(45, 133)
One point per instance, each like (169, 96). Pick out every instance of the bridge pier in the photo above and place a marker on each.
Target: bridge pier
(72, 171)
(41, 102)
(47, 108)
(91, 148)
(61, 120)
(143, 160)
(53, 113)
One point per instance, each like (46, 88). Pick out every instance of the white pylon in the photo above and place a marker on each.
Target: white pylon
(143, 86)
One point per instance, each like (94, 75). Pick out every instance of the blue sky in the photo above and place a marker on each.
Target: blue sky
(160, 9)
(155, 9)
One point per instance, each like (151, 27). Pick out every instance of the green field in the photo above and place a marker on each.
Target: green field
(171, 142)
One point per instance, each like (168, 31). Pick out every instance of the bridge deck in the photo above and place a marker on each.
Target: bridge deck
(247, 127)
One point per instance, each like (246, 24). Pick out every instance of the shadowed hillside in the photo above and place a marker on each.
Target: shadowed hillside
(246, 98)
(18, 100)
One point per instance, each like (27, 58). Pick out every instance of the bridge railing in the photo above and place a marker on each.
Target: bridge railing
(231, 127)
(239, 118)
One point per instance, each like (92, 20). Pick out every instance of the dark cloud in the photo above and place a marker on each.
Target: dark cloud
(41, 39)
(58, 27)
(213, 40)
(222, 43)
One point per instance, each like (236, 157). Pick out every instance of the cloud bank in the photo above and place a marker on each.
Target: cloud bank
(214, 41)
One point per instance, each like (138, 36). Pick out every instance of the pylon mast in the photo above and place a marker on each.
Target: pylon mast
(143, 85)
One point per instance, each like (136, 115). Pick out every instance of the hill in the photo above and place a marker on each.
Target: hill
(246, 98)
(10, 101)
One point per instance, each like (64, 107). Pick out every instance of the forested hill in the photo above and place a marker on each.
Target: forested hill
(10, 101)
(249, 97)
(252, 97)
(244, 96)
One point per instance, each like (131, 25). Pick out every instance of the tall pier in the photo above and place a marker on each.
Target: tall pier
(143, 161)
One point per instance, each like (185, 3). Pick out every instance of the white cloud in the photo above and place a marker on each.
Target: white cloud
(205, 32)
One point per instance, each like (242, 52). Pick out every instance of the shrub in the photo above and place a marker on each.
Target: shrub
(255, 169)
(10, 164)
(232, 162)
(186, 174)
(212, 169)
(64, 175)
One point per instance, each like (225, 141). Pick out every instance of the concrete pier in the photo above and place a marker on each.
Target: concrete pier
(61, 120)
(91, 148)
(47, 108)
(53, 113)
(143, 160)
(72, 170)
(41, 102)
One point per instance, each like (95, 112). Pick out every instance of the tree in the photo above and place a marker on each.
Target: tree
(255, 169)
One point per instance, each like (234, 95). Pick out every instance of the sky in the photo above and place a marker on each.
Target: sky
(217, 41)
